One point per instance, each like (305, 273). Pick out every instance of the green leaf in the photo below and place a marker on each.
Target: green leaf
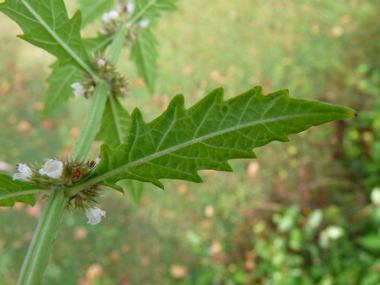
(135, 189)
(59, 90)
(92, 10)
(181, 142)
(99, 43)
(46, 25)
(370, 242)
(115, 123)
(16, 191)
(63, 76)
(144, 54)
(152, 8)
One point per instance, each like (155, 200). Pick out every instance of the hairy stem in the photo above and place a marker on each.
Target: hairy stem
(43, 238)
(91, 122)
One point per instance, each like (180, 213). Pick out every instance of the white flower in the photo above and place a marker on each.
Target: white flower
(375, 195)
(97, 161)
(333, 232)
(101, 62)
(111, 15)
(52, 168)
(130, 7)
(103, 32)
(123, 91)
(144, 23)
(25, 172)
(94, 215)
(78, 89)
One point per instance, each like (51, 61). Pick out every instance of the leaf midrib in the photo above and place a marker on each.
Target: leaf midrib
(59, 40)
(174, 148)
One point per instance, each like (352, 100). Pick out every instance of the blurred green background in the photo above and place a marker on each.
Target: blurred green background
(301, 213)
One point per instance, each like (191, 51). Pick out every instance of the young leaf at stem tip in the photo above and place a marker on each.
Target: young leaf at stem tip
(181, 142)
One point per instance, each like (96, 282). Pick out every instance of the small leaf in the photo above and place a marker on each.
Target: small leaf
(93, 9)
(135, 189)
(115, 123)
(152, 8)
(59, 90)
(144, 54)
(181, 142)
(46, 25)
(12, 192)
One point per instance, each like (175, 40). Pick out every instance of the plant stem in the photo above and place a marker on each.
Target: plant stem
(43, 238)
(45, 233)
(117, 44)
(91, 122)
(140, 13)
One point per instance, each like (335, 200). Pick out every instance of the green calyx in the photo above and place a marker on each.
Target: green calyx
(106, 71)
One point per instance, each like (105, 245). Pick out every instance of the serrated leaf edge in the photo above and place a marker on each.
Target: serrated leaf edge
(59, 40)
(178, 103)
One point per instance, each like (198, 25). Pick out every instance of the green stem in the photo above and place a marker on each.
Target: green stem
(140, 13)
(91, 122)
(43, 238)
(117, 44)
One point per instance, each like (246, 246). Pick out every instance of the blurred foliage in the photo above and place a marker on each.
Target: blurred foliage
(299, 214)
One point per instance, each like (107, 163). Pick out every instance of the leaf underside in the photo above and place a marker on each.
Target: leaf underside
(115, 123)
(144, 54)
(46, 25)
(181, 142)
(9, 187)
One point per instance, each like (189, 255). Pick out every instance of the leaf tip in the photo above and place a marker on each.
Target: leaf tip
(137, 116)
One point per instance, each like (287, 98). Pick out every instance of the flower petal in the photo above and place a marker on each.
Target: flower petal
(130, 7)
(52, 168)
(144, 23)
(94, 215)
(20, 176)
(24, 169)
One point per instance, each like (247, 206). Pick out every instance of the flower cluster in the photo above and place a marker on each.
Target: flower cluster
(123, 13)
(56, 173)
(106, 70)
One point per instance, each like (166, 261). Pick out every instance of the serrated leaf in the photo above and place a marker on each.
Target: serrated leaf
(59, 90)
(144, 54)
(181, 142)
(12, 192)
(93, 9)
(135, 190)
(46, 25)
(115, 123)
(63, 76)
(152, 8)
